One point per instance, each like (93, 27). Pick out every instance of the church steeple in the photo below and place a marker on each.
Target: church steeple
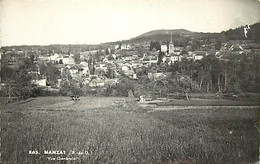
(171, 46)
(171, 38)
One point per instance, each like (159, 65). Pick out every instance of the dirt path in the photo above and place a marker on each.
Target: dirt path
(169, 108)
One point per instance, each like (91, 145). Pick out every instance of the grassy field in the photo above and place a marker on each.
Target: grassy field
(107, 133)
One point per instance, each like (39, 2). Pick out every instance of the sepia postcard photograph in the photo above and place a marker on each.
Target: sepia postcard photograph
(130, 81)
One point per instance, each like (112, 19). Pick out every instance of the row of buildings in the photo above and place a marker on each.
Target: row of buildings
(94, 71)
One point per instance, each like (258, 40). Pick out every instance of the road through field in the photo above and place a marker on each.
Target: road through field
(169, 108)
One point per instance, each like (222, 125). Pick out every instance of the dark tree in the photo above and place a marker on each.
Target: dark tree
(106, 52)
(155, 45)
(160, 57)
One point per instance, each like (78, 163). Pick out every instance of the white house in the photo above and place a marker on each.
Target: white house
(198, 57)
(114, 56)
(123, 47)
(68, 59)
(175, 58)
(73, 70)
(128, 47)
(85, 64)
(44, 58)
(154, 60)
(164, 48)
(97, 83)
(54, 57)
(41, 82)
(126, 68)
(116, 47)
(135, 76)
(85, 69)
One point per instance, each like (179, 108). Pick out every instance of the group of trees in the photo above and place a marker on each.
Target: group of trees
(50, 72)
(234, 74)
(155, 45)
(18, 81)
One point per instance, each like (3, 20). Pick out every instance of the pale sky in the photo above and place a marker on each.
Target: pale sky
(43, 22)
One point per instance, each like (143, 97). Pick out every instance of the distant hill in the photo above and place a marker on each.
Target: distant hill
(178, 35)
(162, 35)
(165, 32)
(181, 35)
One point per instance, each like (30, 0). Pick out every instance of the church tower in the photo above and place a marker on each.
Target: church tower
(171, 46)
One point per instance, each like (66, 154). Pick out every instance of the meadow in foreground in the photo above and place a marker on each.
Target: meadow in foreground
(121, 134)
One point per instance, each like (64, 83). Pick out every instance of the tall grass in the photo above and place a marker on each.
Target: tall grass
(111, 134)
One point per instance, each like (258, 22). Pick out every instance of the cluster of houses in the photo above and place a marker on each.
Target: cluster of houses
(171, 52)
(106, 70)
(237, 47)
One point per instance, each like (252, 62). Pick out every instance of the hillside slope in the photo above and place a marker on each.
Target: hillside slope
(182, 34)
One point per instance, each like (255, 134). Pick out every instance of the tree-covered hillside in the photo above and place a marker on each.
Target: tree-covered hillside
(239, 34)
